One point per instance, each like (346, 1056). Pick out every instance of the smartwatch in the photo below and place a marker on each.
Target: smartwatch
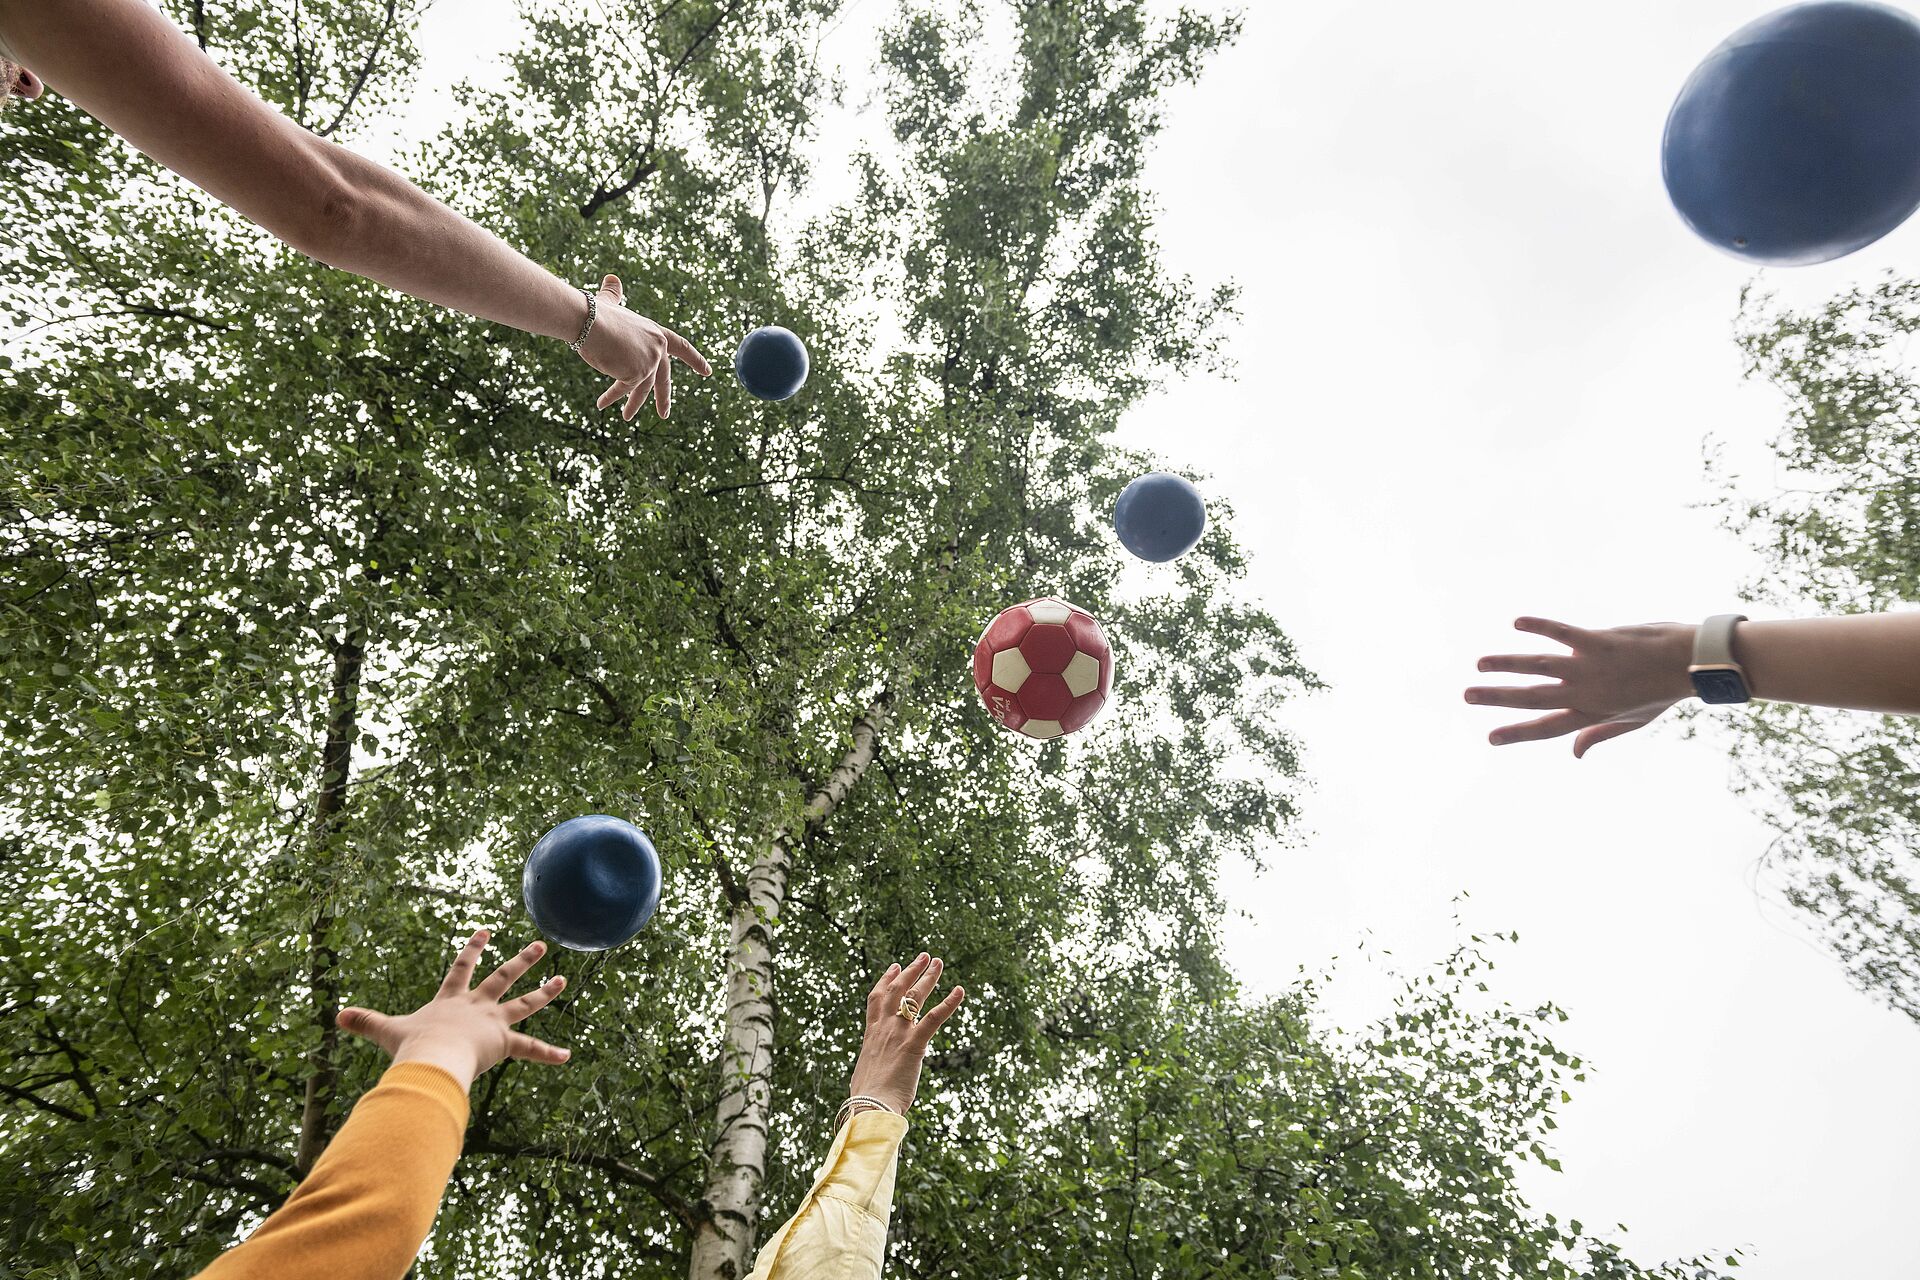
(1717, 678)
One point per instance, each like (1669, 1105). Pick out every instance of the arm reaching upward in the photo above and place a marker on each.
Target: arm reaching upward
(840, 1230)
(1617, 679)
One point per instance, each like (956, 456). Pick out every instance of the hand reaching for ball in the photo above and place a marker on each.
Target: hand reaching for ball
(888, 1068)
(636, 353)
(465, 1030)
(1615, 681)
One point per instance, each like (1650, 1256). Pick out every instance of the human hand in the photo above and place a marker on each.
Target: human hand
(1612, 683)
(888, 1068)
(636, 353)
(465, 1030)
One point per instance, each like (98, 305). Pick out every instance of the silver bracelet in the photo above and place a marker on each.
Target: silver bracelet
(847, 1111)
(593, 312)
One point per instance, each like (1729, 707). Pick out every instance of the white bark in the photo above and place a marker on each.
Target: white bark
(723, 1243)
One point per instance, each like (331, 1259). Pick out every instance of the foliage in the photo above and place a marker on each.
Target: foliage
(320, 605)
(1842, 535)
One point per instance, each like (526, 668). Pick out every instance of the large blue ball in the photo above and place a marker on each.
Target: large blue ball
(1798, 140)
(1160, 516)
(592, 882)
(771, 363)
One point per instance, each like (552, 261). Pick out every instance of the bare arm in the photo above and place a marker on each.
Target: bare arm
(1867, 662)
(1620, 678)
(130, 68)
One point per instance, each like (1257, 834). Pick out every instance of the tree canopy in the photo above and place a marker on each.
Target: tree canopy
(320, 605)
(1840, 533)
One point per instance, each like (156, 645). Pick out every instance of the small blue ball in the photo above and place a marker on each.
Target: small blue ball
(1798, 139)
(591, 883)
(1160, 516)
(771, 363)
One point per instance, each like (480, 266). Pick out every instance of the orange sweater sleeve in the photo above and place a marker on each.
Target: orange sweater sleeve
(366, 1208)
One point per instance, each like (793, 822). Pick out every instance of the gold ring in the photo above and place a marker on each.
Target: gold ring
(909, 1008)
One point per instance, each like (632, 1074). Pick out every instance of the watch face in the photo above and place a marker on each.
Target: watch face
(1720, 686)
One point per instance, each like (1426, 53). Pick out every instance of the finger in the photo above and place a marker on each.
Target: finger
(923, 987)
(1552, 726)
(535, 1000)
(460, 976)
(611, 285)
(1588, 738)
(663, 389)
(1528, 664)
(368, 1024)
(682, 350)
(1570, 636)
(1536, 697)
(527, 1049)
(500, 980)
(931, 1020)
(636, 399)
(877, 997)
(911, 974)
(612, 393)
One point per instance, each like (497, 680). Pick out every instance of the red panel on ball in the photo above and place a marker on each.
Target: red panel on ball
(1086, 635)
(1045, 697)
(1106, 674)
(1007, 630)
(1083, 709)
(982, 666)
(1048, 648)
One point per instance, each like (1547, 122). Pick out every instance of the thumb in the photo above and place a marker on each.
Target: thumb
(368, 1025)
(1587, 739)
(612, 285)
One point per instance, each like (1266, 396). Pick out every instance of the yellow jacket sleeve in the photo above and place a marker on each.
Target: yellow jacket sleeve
(367, 1206)
(840, 1230)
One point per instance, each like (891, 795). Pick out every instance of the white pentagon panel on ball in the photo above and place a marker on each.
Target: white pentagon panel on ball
(1042, 729)
(1050, 611)
(1010, 670)
(1082, 674)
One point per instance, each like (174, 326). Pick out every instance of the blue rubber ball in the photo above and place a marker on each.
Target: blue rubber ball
(771, 363)
(1160, 516)
(1798, 140)
(591, 883)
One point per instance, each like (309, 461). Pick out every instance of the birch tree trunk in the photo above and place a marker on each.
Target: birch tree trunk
(737, 1165)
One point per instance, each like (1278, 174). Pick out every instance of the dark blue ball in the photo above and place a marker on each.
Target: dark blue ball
(1160, 516)
(771, 363)
(1798, 140)
(591, 883)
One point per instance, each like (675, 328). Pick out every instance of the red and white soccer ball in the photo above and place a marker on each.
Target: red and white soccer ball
(1043, 668)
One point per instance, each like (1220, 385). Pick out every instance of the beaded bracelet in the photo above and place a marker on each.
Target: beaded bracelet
(593, 313)
(847, 1111)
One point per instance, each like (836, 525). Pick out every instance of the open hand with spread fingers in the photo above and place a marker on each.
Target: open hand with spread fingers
(1614, 681)
(900, 1024)
(464, 1030)
(636, 352)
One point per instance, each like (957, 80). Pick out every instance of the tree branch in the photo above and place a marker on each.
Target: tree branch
(686, 1214)
(366, 69)
(54, 1108)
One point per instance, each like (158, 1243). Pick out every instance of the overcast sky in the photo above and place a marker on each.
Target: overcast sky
(1480, 357)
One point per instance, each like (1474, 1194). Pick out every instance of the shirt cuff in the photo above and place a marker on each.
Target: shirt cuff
(431, 1084)
(860, 1170)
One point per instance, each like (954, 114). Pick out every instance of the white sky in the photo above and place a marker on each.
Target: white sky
(1479, 358)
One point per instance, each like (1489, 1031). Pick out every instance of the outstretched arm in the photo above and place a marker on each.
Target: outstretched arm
(367, 1205)
(840, 1229)
(1618, 679)
(125, 64)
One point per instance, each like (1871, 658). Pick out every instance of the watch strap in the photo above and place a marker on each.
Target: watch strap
(1713, 642)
